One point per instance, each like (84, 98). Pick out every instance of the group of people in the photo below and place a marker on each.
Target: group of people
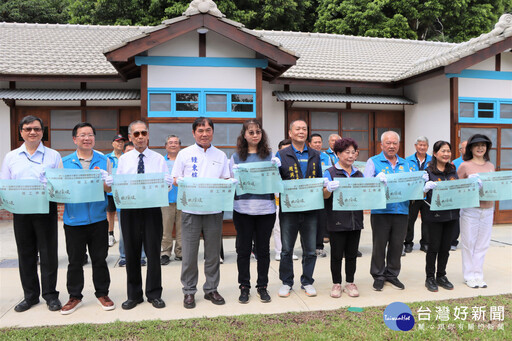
(148, 231)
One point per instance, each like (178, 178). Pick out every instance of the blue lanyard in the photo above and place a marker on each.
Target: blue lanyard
(37, 163)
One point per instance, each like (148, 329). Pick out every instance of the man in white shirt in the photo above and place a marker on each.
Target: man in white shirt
(201, 160)
(142, 225)
(34, 232)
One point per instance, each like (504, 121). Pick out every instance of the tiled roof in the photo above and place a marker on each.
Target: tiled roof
(69, 94)
(340, 98)
(36, 49)
(52, 49)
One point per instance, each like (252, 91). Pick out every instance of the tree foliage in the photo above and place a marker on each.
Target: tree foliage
(40, 11)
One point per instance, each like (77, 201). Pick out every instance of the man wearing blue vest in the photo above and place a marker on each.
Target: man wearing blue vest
(417, 162)
(389, 225)
(330, 153)
(298, 162)
(86, 226)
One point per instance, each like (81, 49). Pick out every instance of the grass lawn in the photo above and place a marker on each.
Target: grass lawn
(318, 325)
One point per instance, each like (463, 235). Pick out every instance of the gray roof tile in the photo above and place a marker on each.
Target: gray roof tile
(69, 94)
(340, 98)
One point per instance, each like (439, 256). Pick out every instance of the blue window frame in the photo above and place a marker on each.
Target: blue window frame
(236, 103)
(485, 110)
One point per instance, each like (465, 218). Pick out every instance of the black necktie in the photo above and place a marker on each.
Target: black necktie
(140, 167)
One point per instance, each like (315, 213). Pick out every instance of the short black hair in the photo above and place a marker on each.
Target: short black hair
(316, 135)
(127, 144)
(284, 142)
(201, 121)
(82, 125)
(29, 119)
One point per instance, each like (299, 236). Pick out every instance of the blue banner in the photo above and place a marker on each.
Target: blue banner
(204, 195)
(73, 186)
(355, 194)
(140, 190)
(453, 194)
(496, 186)
(23, 196)
(302, 195)
(404, 186)
(258, 178)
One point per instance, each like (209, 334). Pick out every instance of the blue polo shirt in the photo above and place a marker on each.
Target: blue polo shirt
(302, 157)
(457, 162)
(379, 163)
(332, 156)
(414, 163)
(173, 193)
(325, 160)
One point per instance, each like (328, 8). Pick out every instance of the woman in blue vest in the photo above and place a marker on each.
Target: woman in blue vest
(253, 214)
(440, 224)
(344, 226)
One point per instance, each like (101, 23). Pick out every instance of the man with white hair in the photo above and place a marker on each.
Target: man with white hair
(389, 225)
(330, 152)
(417, 162)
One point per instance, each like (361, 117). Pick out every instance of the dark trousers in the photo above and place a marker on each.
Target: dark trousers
(388, 233)
(344, 244)
(260, 228)
(456, 233)
(416, 206)
(439, 246)
(95, 238)
(37, 233)
(142, 226)
(291, 224)
(321, 229)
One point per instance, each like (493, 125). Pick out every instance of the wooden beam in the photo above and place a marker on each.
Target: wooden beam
(248, 40)
(497, 62)
(454, 110)
(155, 38)
(479, 56)
(144, 92)
(313, 82)
(202, 45)
(348, 90)
(259, 95)
(421, 77)
(60, 78)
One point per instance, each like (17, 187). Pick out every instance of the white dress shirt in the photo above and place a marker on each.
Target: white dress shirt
(195, 162)
(153, 162)
(19, 164)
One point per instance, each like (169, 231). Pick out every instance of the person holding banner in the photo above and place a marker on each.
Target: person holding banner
(171, 216)
(476, 222)
(344, 226)
(142, 226)
(201, 160)
(457, 162)
(439, 223)
(298, 162)
(389, 225)
(253, 214)
(417, 162)
(86, 225)
(34, 233)
(118, 144)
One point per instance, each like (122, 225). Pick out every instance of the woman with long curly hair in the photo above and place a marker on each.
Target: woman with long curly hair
(253, 214)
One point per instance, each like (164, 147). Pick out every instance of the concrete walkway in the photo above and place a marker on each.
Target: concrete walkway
(498, 275)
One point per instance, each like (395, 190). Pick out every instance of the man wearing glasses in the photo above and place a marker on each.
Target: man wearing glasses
(34, 233)
(142, 226)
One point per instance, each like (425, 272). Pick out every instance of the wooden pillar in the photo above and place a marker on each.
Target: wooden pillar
(454, 111)
(259, 94)
(144, 92)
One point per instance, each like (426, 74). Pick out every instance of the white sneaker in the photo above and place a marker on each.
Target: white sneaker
(111, 240)
(295, 257)
(284, 291)
(336, 291)
(472, 283)
(480, 282)
(309, 289)
(278, 256)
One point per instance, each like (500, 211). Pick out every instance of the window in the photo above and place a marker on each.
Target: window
(204, 102)
(485, 110)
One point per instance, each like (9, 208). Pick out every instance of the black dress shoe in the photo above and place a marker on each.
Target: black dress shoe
(164, 260)
(431, 285)
(444, 283)
(24, 305)
(215, 297)
(408, 248)
(157, 303)
(130, 304)
(424, 248)
(359, 254)
(54, 304)
(189, 301)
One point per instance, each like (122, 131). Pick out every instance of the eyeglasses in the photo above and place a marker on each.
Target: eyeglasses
(138, 133)
(252, 133)
(83, 136)
(36, 129)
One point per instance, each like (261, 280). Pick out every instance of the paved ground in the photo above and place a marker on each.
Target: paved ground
(498, 275)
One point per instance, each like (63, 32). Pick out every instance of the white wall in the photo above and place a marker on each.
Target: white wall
(506, 61)
(219, 46)
(485, 88)
(186, 45)
(487, 65)
(273, 115)
(131, 84)
(5, 137)
(430, 117)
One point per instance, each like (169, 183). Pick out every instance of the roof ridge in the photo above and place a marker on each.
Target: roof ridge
(347, 37)
(69, 26)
